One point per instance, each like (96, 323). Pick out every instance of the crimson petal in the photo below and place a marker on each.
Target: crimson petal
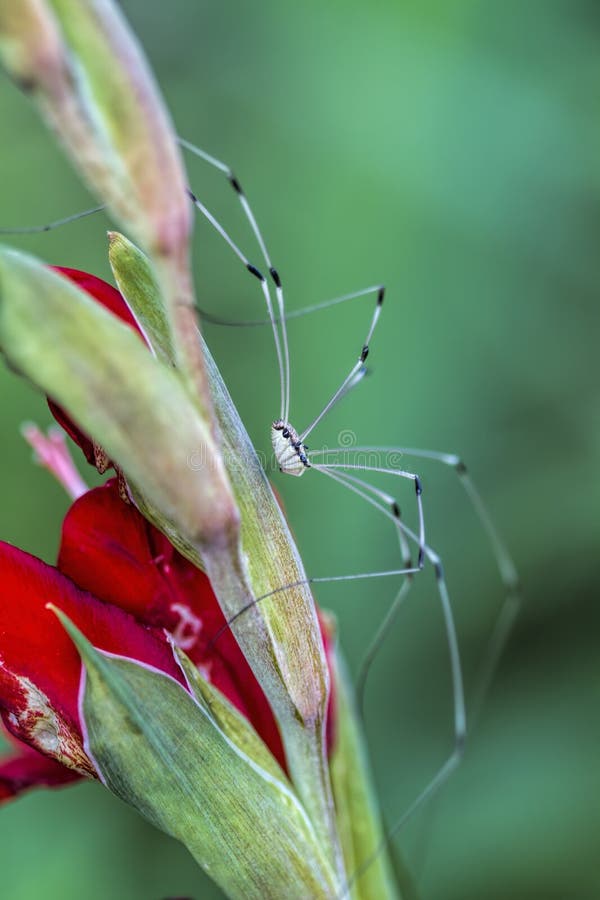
(110, 550)
(25, 768)
(40, 669)
(107, 295)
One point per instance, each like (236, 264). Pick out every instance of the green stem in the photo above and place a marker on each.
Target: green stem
(361, 833)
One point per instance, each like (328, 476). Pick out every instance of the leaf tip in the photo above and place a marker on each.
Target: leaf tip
(81, 642)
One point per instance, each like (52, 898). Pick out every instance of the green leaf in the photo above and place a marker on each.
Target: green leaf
(139, 285)
(231, 722)
(104, 376)
(160, 751)
(363, 841)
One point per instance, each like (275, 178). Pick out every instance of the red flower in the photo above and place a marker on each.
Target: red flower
(110, 550)
(126, 588)
(40, 669)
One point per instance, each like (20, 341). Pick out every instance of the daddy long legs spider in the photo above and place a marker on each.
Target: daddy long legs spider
(347, 467)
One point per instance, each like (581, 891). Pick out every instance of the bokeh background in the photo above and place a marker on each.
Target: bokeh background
(449, 150)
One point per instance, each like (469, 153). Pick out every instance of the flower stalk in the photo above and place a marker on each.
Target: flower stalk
(85, 70)
(282, 630)
(158, 410)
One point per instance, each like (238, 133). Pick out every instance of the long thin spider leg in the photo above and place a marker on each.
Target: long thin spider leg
(460, 725)
(251, 218)
(354, 370)
(321, 579)
(495, 645)
(506, 566)
(493, 652)
(384, 470)
(351, 383)
(290, 314)
(263, 283)
(458, 694)
(57, 223)
(389, 507)
(504, 563)
(275, 321)
(388, 620)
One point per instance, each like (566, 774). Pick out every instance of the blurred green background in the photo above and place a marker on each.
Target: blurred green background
(449, 150)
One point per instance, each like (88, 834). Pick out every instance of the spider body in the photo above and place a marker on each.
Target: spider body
(290, 451)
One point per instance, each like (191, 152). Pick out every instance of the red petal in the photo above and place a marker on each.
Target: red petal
(81, 439)
(26, 769)
(109, 549)
(326, 624)
(107, 295)
(111, 299)
(39, 666)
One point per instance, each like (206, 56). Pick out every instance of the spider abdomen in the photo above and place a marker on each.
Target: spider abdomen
(289, 450)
